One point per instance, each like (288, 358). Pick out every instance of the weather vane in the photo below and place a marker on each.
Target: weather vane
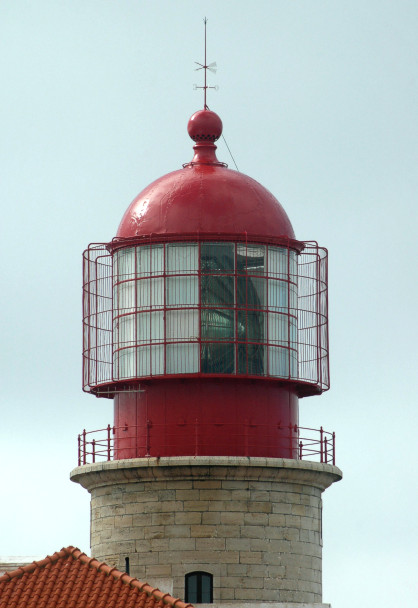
(205, 66)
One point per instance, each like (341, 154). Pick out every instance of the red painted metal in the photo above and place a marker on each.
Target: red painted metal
(205, 198)
(204, 403)
(98, 446)
(249, 411)
(100, 312)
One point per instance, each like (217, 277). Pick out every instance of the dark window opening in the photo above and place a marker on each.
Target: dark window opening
(199, 588)
(127, 565)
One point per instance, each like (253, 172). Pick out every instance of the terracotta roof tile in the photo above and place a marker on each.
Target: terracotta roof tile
(71, 579)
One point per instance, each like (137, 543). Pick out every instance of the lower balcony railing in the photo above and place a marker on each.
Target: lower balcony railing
(154, 440)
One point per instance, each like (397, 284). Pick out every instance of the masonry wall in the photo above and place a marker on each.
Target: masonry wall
(255, 524)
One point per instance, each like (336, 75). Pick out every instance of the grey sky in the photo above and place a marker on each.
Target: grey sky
(319, 103)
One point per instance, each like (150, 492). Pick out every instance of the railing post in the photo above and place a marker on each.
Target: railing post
(84, 446)
(300, 450)
(321, 431)
(108, 441)
(333, 449)
(147, 439)
(326, 450)
(79, 450)
(93, 449)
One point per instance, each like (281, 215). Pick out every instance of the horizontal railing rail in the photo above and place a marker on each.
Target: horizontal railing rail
(99, 445)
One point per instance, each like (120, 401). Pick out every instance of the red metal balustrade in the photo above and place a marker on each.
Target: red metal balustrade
(99, 445)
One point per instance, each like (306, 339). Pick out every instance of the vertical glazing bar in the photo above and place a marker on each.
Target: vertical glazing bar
(246, 305)
(326, 313)
(165, 280)
(236, 339)
(267, 309)
(96, 318)
(88, 319)
(288, 312)
(151, 285)
(136, 286)
(199, 295)
(318, 317)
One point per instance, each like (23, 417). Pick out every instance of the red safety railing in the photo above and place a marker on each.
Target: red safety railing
(99, 445)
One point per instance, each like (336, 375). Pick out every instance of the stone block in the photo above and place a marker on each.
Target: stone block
(250, 557)
(142, 519)
(237, 569)
(227, 531)
(203, 531)
(252, 532)
(154, 532)
(189, 518)
(235, 484)
(276, 519)
(122, 521)
(181, 544)
(256, 519)
(281, 508)
(210, 518)
(177, 531)
(215, 494)
(238, 544)
(203, 544)
(197, 505)
(232, 517)
(248, 594)
(191, 494)
(180, 484)
(259, 507)
(162, 519)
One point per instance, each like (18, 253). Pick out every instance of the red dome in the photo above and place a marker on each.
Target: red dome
(205, 197)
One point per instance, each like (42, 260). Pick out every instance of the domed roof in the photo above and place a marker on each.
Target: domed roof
(205, 197)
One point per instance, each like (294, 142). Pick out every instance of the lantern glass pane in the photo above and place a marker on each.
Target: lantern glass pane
(278, 262)
(182, 258)
(182, 291)
(217, 290)
(182, 325)
(218, 324)
(150, 260)
(182, 358)
(217, 358)
(217, 257)
(150, 293)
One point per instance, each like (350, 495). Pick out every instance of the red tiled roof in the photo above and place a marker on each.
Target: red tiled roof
(71, 579)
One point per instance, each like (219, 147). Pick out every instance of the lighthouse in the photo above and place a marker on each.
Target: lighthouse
(206, 321)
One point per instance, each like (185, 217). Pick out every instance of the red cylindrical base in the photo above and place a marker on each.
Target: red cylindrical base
(213, 417)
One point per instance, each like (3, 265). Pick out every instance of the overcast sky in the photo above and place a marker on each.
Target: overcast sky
(319, 103)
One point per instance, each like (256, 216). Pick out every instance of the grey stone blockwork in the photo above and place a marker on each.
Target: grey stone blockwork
(253, 523)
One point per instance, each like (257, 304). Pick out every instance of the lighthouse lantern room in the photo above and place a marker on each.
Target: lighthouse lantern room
(204, 318)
